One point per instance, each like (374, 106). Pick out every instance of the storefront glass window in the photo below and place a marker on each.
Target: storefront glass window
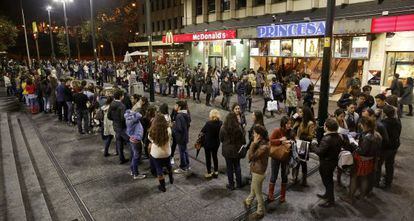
(298, 47)
(211, 6)
(241, 4)
(401, 63)
(199, 7)
(342, 47)
(274, 48)
(311, 47)
(259, 2)
(360, 47)
(286, 47)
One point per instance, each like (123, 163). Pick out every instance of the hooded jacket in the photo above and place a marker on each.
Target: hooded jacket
(181, 126)
(134, 129)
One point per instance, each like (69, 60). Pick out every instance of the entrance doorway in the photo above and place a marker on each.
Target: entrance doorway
(215, 62)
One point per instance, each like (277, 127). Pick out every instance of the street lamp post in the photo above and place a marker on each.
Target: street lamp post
(93, 38)
(49, 8)
(66, 23)
(149, 34)
(29, 64)
(326, 68)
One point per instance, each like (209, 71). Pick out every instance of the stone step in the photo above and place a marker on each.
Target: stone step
(14, 206)
(60, 202)
(36, 207)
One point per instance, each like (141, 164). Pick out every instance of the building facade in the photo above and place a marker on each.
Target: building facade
(289, 34)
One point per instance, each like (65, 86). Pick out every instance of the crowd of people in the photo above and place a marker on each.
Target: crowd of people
(359, 137)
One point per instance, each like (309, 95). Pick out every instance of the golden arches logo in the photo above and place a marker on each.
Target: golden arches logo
(169, 38)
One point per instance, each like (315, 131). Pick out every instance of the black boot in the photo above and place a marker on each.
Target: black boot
(161, 187)
(170, 176)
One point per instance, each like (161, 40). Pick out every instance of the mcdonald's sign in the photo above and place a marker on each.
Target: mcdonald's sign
(199, 36)
(169, 38)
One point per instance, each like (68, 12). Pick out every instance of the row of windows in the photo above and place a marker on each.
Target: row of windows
(225, 5)
(165, 25)
(163, 4)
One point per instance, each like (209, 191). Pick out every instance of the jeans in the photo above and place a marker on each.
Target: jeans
(83, 115)
(208, 97)
(387, 157)
(135, 149)
(187, 88)
(211, 153)
(275, 165)
(249, 103)
(46, 104)
(256, 192)
(159, 164)
(196, 92)
(173, 145)
(61, 106)
(121, 138)
(70, 110)
(326, 170)
(107, 143)
(233, 167)
(184, 160)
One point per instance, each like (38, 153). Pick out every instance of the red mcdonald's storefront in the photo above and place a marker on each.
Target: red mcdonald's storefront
(392, 49)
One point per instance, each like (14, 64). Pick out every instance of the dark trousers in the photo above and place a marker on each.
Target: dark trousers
(304, 166)
(387, 157)
(61, 107)
(326, 170)
(249, 103)
(226, 101)
(291, 110)
(410, 108)
(121, 138)
(275, 165)
(83, 115)
(173, 145)
(159, 164)
(196, 92)
(184, 159)
(208, 97)
(233, 167)
(175, 91)
(211, 153)
(187, 88)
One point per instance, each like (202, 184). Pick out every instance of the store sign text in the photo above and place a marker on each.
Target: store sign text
(202, 36)
(292, 30)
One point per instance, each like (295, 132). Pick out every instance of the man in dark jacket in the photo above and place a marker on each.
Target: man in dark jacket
(396, 86)
(81, 100)
(68, 97)
(328, 151)
(198, 81)
(387, 155)
(180, 128)
(227, 88)
(116, 113)
(60, 101)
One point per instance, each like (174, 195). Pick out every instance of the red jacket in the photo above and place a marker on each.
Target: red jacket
(30, 88)
(274, 138)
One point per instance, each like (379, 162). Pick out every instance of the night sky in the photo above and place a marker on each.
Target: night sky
(35, 10)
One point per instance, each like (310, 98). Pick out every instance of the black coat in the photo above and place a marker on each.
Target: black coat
(181, 126)
(330, 147)
(211, 131)
(369, 144)
(230, 147)
(116, 113)
(393, 127)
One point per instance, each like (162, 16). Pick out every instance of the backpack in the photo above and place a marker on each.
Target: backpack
(277, 88)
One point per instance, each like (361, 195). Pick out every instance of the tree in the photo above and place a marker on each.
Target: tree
(8, 34)
(61, 42)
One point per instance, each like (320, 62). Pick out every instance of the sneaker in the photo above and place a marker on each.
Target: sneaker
(179, 171)
(208, 175)
(172, 161)
(215, 174)
(139, 177)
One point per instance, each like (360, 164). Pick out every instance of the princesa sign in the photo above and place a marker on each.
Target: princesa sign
(292, 30)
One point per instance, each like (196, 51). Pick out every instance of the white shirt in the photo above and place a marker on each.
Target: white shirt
(304, 84)
(7, 81)
(161, 152)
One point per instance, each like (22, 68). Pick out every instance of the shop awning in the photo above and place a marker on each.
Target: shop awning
(145, 44)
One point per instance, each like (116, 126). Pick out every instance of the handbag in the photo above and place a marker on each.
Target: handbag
(280, 152)
(200, 141)
(345, 159)
(243, 151)
(272, 106)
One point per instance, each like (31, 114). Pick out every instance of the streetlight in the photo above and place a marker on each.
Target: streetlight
(93, 38)
(29, 61)
(66, 22)
(49, 8)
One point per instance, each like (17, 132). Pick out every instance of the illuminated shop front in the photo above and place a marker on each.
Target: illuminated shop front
(299, 47)
(214, 48)
(392, 49)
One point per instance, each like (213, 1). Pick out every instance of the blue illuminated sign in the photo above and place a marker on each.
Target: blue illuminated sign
(292, 30)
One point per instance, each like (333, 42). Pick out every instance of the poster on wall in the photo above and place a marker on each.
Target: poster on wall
(312, 47)
(274, 48)
(298, 47)
(342, 47)
(263, 48)
(360, 47)
(374, 77)
(286, 48)
(254, 48)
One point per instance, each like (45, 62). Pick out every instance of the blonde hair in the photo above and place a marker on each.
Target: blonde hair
(214, 114)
